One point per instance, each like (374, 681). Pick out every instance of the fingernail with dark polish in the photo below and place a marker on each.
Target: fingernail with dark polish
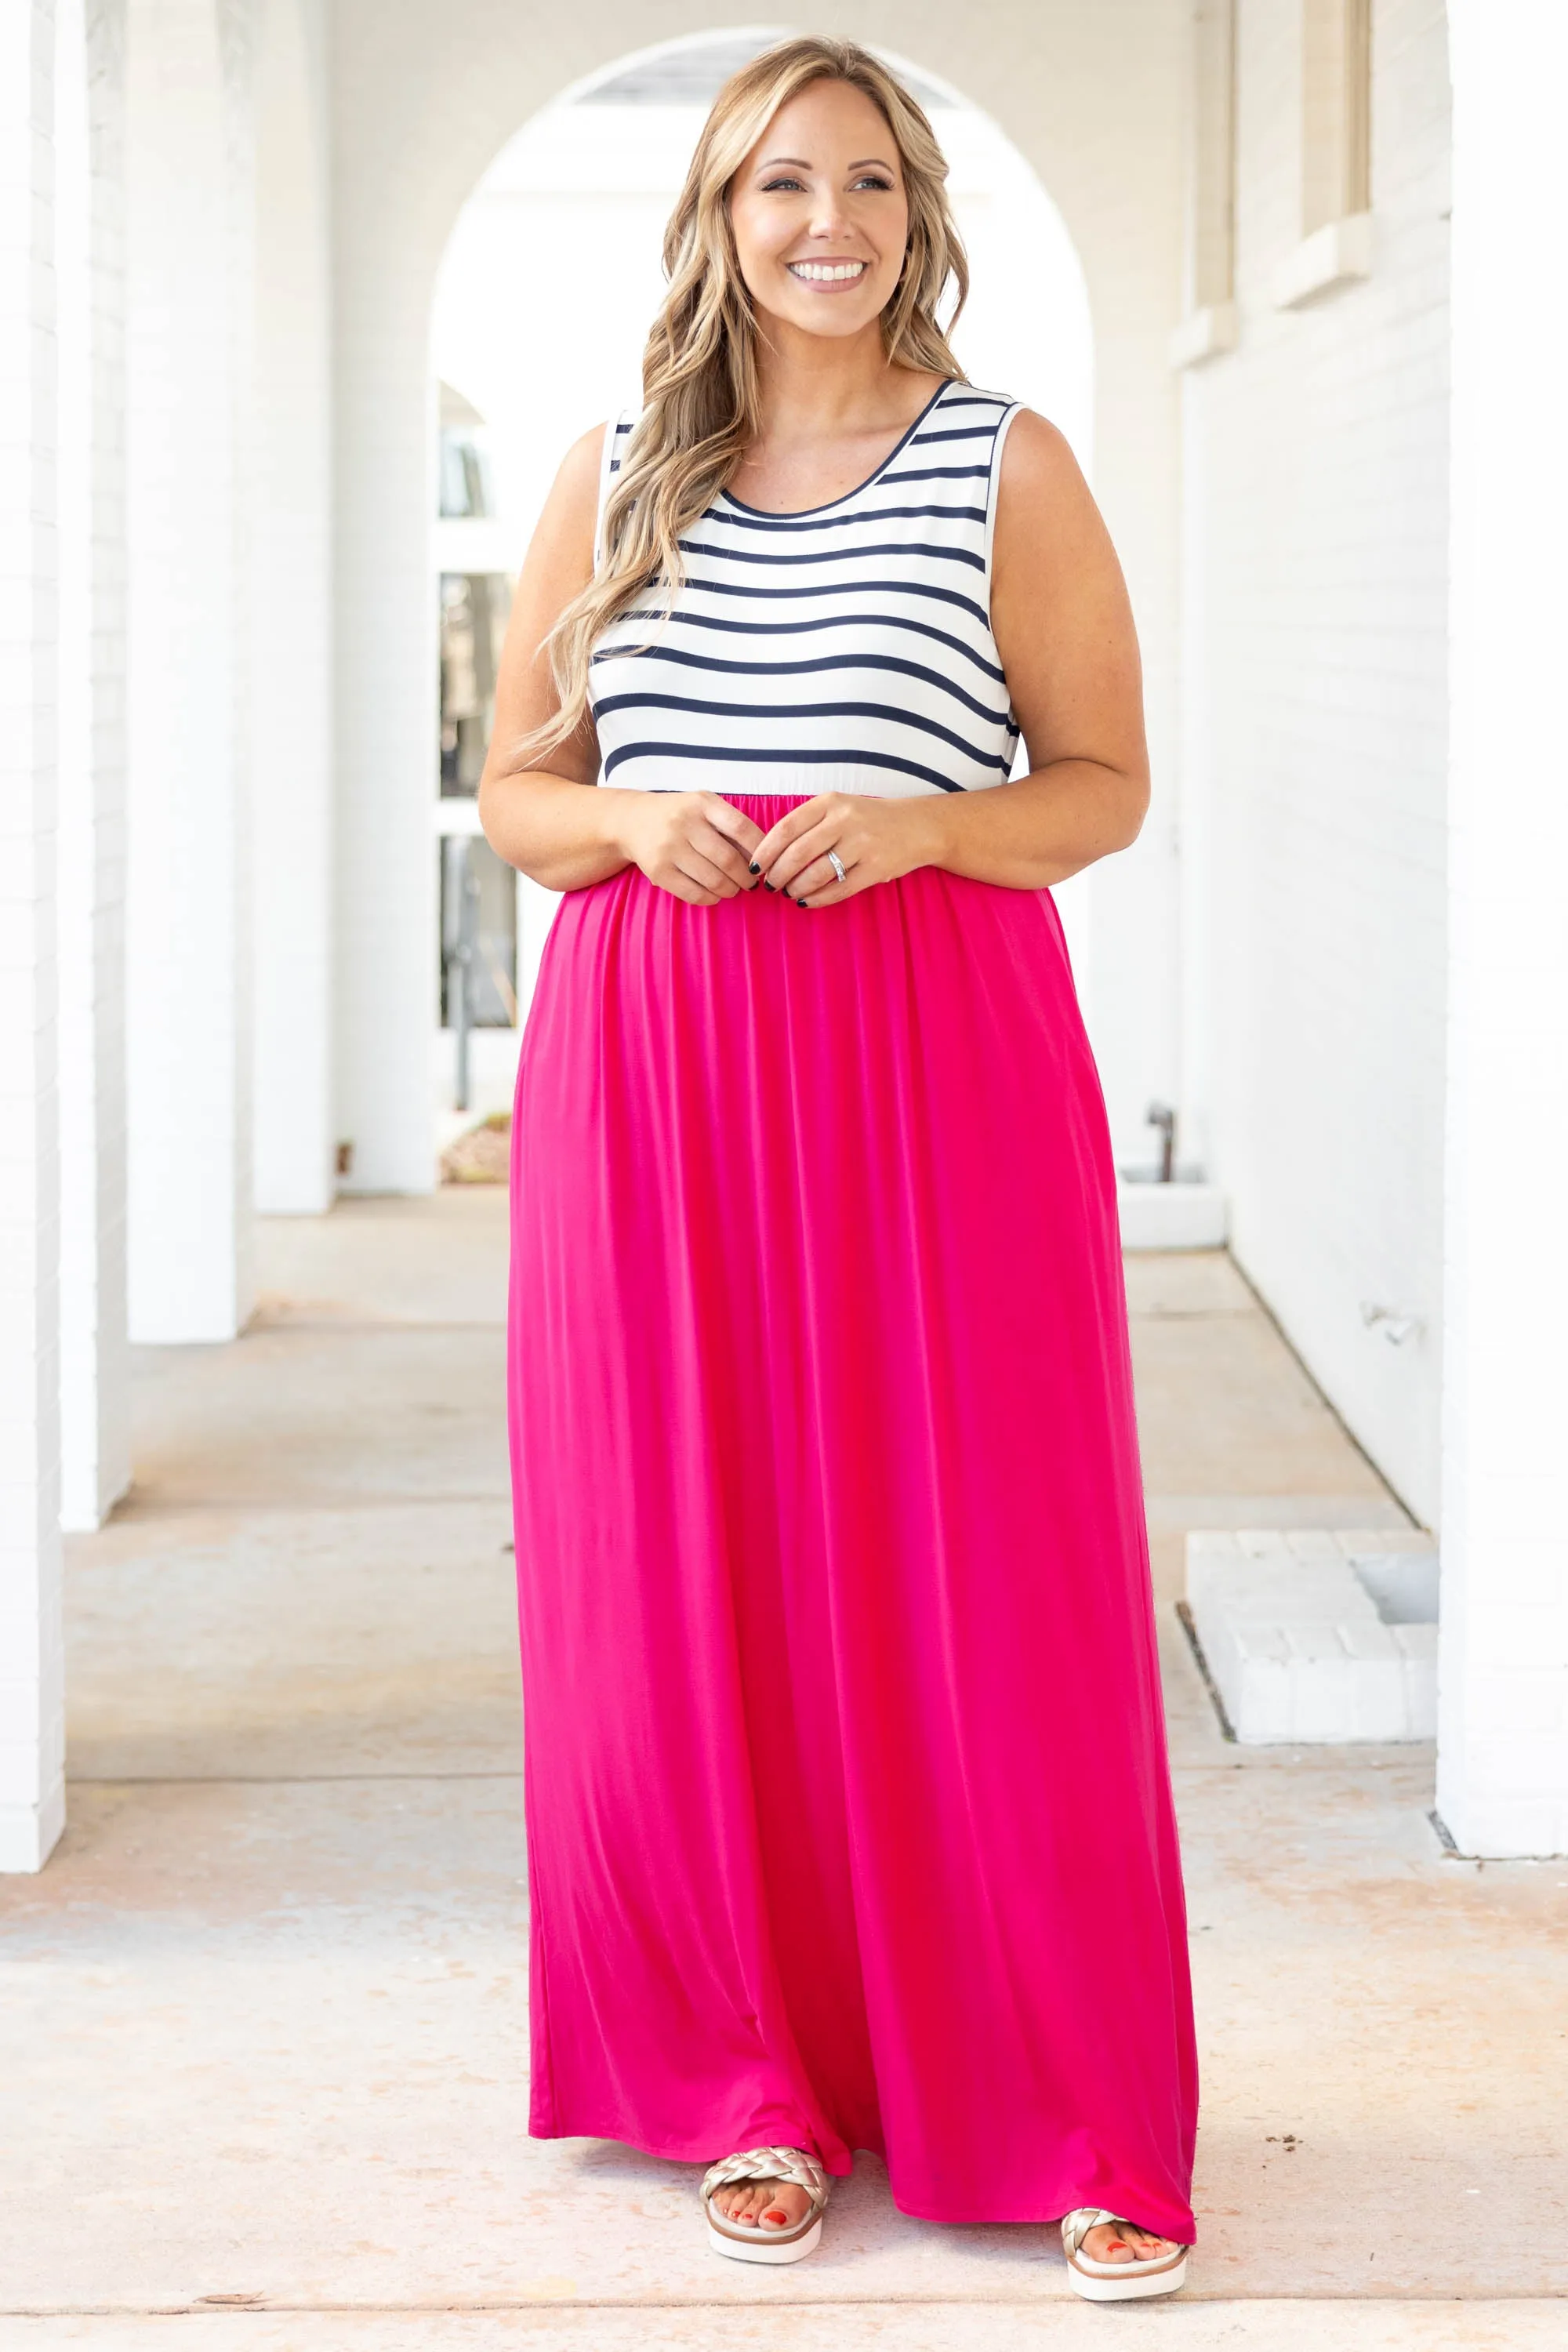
(755, 867)
(767, 885)
(800, 902)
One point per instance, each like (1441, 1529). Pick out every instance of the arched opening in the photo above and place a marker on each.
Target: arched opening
(576, 202)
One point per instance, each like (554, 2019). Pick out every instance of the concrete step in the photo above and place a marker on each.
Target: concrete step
(1173, 1216)
(1318, 1634)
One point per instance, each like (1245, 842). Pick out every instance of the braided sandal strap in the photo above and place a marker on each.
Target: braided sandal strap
(1077, 2225)
(770, 2164)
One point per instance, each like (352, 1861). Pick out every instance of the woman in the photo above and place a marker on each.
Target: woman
(848, 1811)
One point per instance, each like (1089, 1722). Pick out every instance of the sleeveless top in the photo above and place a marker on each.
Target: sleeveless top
(847, 648)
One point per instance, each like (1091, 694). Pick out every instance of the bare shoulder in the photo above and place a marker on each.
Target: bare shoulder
(580, 466)
(562, 544)
(1046, 513)
(1039, 473)
(575, 490)
(1036, 452)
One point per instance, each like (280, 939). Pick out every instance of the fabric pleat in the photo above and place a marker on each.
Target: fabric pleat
(848, 1811)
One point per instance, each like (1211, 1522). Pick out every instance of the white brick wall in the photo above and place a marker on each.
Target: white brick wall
(1504, 1668)
(422, 101)
(1316, 473)
(32, 1720)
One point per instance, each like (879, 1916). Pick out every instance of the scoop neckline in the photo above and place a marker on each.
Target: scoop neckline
(795, 514)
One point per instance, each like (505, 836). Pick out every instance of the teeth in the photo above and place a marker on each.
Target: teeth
(825, 272)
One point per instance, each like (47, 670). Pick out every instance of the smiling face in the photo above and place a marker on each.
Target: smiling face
(819, 213)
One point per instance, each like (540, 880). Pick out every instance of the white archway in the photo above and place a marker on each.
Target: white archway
(588, 182)
(1026, 327)
(417, 122)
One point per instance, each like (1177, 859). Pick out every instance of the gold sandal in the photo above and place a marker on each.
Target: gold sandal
(1116, 2282)
(748, 2242)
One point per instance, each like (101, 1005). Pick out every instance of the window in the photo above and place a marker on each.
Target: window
(1336, 242)
(1211, 198)
(1209, 326)
(1336, 111)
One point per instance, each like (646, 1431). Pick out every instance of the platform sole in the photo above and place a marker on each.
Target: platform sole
(759, 2250)
(1129, 2282)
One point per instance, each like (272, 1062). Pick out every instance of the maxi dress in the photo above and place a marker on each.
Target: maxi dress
(848, 1811)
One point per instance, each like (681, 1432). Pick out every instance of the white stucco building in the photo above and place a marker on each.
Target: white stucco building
(1316, 247)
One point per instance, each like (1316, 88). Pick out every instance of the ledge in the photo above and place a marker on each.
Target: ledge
(1173, 1216)
(1205, 334)
(1337, 254)
(1317, 1634)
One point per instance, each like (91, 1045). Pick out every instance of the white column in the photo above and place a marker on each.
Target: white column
(1195, 1101)
(94, 1360)
(387, 692)
(387, 739)
(291, 808)
(1503, 1671)
(187, 912)
(32, 1713)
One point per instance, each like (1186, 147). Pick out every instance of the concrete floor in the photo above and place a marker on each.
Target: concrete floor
(264, 2036)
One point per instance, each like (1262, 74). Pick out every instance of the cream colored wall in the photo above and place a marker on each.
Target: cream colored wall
(423, 99)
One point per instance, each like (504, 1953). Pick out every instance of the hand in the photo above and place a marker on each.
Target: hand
(876, 840)
(696, 846)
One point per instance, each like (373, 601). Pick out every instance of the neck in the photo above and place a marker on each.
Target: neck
(811, 386)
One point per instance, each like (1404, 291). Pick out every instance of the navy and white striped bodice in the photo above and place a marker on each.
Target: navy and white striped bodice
(845, 649)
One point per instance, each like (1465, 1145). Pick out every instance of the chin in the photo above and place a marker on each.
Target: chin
(836, 329)
(832, 317)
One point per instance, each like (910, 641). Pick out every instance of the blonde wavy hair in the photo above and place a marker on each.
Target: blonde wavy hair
(699, 367)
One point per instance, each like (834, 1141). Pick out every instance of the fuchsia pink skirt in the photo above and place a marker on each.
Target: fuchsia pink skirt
(849, 1819)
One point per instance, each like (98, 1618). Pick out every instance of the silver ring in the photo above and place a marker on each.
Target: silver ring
(838, 864)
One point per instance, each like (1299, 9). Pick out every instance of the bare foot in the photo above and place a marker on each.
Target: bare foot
(762, 2204)
(1123, 2241)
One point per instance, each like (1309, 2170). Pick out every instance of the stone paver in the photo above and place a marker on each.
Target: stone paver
(265, 2032)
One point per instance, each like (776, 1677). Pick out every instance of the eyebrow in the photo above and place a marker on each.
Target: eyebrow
(775, 160)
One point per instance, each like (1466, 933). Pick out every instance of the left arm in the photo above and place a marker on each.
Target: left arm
(1063, 625)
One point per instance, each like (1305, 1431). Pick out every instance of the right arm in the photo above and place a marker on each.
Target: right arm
(557, 824)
